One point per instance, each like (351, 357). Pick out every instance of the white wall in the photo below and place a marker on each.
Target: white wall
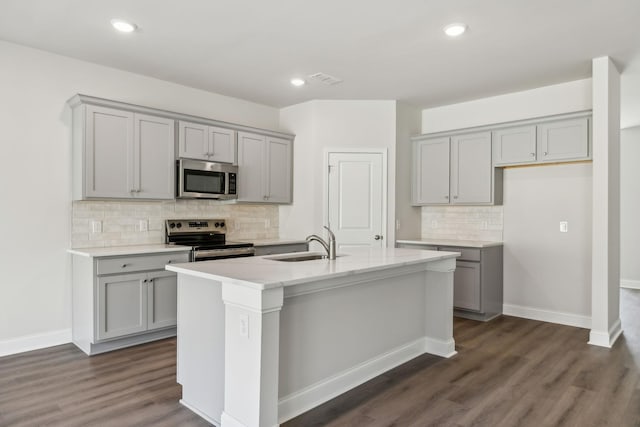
(630, 207)
(319, 125)
(36, 174)
(407, 217)
(571, 284)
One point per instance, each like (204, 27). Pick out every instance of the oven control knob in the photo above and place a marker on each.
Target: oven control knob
(179, 225)
(172, 225)
(216, 225)
(222, 224)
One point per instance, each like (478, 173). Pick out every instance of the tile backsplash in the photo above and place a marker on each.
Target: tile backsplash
(462, 222)
(123, 222)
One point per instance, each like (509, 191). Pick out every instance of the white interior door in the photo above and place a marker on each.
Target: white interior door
(356, 198)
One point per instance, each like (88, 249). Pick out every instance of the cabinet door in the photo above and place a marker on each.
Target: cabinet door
(154, 157)
(563, 140)
(279, 167)
(431, 172)
(251, 167)
(471, 169)
(514, 145)
(193, 141)
(108, 153)
(466, 286)
(162, 300)
(222, 145)
(122, 305)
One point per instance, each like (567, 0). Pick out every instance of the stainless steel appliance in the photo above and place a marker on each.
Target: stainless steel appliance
(207, 237)
(197, 179)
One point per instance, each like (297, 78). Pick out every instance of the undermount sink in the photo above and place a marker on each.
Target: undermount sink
(304, 256)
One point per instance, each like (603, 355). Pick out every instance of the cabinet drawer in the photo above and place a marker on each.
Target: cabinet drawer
(466, 254)
(139, 263)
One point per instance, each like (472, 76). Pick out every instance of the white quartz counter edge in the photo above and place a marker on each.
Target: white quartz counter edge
(263, 273)
(447, 242)
(128, 250)
(275, 242)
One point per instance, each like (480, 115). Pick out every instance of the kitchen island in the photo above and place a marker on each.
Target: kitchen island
(264, 339)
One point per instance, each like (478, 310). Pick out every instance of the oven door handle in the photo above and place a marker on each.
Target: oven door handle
(223, 252)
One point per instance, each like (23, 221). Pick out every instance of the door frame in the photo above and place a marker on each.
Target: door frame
(385, 182)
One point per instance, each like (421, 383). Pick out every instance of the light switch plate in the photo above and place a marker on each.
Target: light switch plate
(143, 225)
(564, 226)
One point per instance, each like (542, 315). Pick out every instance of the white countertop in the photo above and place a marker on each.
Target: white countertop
(452, 242)
(264, 273)
(275, 242)
(128, 250)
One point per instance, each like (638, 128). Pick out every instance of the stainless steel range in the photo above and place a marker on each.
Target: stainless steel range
(207, 237)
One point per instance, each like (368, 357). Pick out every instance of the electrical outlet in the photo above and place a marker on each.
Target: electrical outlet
(244, 325)
(96, 226)
(143, 225)
(564, 226)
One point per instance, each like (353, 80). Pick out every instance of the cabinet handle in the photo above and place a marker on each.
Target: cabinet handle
(532, 154)
(377, 237)
(124, 265)
(446, 197)
(545, 153)
(455, 197)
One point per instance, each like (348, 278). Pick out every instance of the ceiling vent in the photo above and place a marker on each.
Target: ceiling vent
(325, 79)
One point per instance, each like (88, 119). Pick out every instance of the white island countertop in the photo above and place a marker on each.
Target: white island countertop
(452, 242)
(264, 272)
(128, 250)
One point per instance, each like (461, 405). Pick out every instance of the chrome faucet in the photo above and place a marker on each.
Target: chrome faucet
(329, 247)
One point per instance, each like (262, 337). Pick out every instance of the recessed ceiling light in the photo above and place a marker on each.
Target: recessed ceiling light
(123, 26)
(297, 82)
(455, 30)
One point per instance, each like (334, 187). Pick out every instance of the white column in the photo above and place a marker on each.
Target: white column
(605, 275)
(252, 336)
(439, 308)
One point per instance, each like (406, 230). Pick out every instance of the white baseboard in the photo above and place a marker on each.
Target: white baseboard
(559, 317)
(630, 284)
(301, 401)
(200, 413)
(606, 339)
(34, 342)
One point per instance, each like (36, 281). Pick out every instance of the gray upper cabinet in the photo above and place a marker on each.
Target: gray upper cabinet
(153, 157)
(453, 170)
(202, 142)
(556, 140)
(107, 145)
(279, 161)
(431, 171)
(120, 154)
(471, 169)
(264, 168)
(514, 145)
(563, 140)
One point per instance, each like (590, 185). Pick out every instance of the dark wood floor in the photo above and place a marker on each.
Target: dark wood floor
(509, 372)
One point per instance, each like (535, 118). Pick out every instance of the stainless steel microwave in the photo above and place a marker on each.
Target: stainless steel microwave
(197, 179)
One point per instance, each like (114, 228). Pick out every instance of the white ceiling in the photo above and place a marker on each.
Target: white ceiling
(382, 49)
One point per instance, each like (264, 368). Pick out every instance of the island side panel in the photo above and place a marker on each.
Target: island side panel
(345, 334)
(200, 349)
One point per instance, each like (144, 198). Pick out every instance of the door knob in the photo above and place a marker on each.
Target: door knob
(377, 237)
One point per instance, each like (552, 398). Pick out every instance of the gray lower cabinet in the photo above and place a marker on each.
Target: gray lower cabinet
(477, 281)
(281, 248)
(120, 301)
